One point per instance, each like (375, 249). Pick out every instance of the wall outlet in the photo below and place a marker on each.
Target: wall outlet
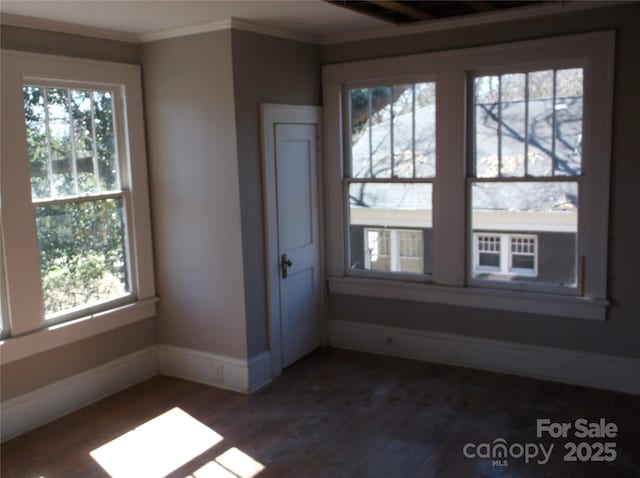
(217, 372)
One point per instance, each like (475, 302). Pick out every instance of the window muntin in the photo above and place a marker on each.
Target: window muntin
(79, 203)
(391, 166)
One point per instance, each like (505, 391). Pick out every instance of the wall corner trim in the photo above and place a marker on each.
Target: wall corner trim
(607, 372)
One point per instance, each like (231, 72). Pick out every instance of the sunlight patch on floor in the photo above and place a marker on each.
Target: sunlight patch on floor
(157, 447)
(233, 463)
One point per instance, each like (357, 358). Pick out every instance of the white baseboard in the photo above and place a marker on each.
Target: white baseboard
(217, 370)
(45, 404)
(33, 409)
(578, 368)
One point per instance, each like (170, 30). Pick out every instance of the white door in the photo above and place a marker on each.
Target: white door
(296, 167)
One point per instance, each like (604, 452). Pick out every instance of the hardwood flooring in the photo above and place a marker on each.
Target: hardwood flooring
(335, 414)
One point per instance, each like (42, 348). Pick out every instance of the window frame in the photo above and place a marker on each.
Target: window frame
(26, 321)
(452, 229)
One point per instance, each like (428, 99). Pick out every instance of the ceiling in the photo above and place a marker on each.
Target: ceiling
(307, 20)
(310, 17)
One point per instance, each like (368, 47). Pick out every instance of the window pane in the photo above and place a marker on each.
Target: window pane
(403, 131)
(513, 124)
(540, 123)
(487, 114)
(37, 141)
(568, 127)
(71, 142)
(60, 142)
(83, 140)
(390, 227)
(82, 253)
(425, 130)
(105, 144)
(529, 124)
(547, 211)
(393, 131)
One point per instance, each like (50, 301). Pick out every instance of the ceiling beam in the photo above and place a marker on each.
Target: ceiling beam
(403, 8)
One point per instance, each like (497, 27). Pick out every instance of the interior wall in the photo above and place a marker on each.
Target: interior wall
(55, 43)
(265, 70)
(619, 334)
(195, 197)
(42, 369)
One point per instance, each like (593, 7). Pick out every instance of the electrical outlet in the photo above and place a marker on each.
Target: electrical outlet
(217, 375)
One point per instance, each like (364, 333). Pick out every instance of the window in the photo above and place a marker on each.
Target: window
(504, 256)
(391, 168)
(75, 215)
(78, 200)
(394, 250)
(497, 157)
(527, 134)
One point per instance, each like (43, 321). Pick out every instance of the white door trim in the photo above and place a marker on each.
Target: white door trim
(270, 115)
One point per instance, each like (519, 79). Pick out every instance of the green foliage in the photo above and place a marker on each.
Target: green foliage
(82, 252)
(82, 246)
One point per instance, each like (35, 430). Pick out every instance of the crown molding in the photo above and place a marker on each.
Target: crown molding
(246, 26)
(68, 28)
(231, 23)
(185, 31)
(486, 18)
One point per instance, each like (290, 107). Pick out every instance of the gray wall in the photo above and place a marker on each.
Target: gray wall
(42, 369)
(54, 43)
(191, 131)
(620, 334)
(265, 70)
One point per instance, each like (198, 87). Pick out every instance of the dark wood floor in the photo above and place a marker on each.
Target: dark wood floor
(343, 414)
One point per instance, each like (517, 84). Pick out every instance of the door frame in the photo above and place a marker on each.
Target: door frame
(270, 115)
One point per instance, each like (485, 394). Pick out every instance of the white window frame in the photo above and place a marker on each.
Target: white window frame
(26, 329)
(505, 254)
(450, 282)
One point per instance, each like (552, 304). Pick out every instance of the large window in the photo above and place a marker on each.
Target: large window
(495, 160)
(75, 211)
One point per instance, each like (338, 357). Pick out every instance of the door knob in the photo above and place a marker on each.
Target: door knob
(285, 263)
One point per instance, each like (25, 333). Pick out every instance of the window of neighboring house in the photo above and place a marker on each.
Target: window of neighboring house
(391, 169)
(394, 250)
(501, 256)
(77, 235)
(497, 158)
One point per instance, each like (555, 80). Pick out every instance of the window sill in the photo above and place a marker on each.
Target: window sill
(528, 302)
(53, 336)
